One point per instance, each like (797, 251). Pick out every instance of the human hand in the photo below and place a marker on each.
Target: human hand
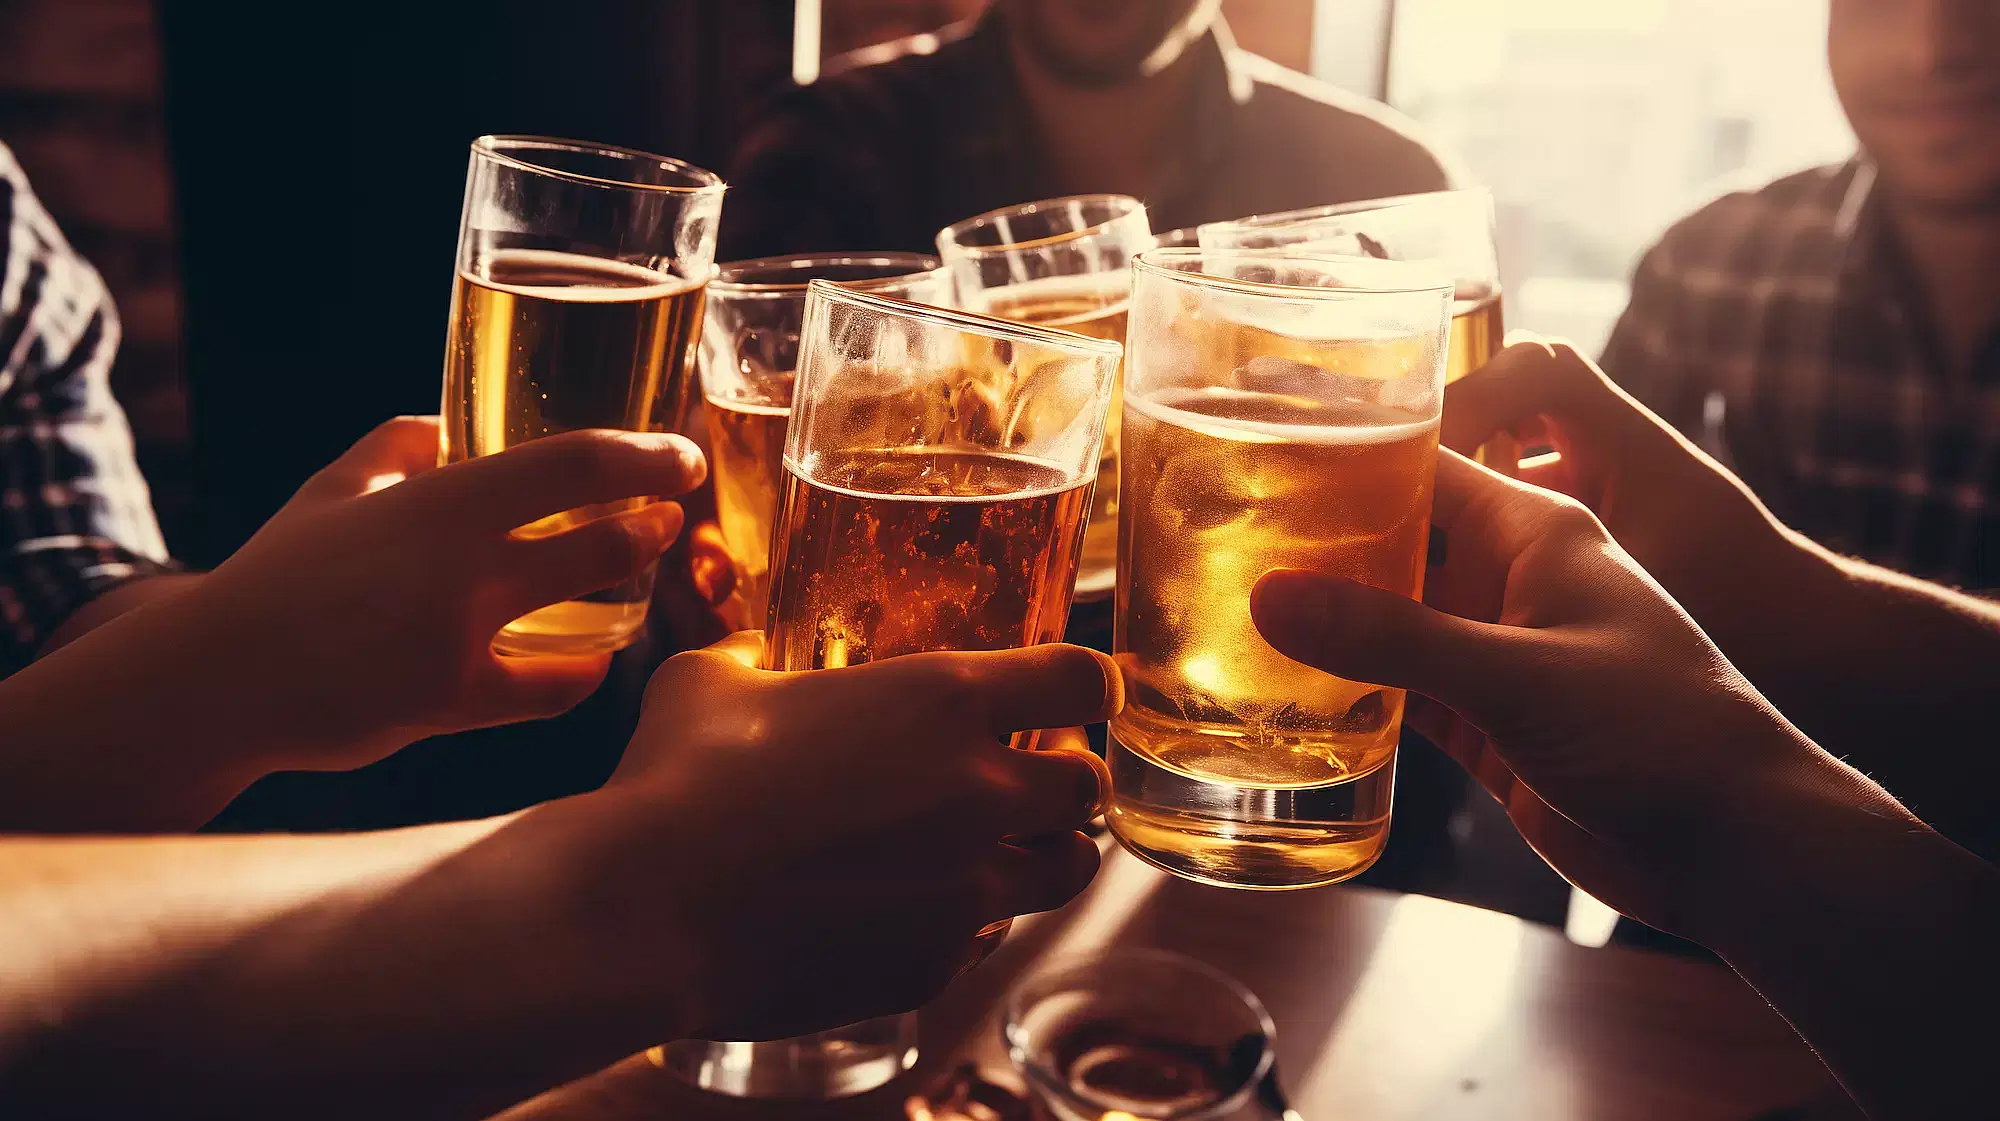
(360, 618)
(1684, 517)
(834, 839)
(1624, 746)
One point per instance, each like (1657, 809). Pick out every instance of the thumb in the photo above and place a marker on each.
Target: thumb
(1365, 633)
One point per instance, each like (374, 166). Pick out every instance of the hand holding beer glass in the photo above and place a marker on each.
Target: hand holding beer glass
(749, 360)
(937, 475)
(1064, 263)
(577, 304)
(1280, 412)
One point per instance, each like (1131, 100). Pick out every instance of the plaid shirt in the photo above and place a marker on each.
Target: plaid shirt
(75, 517)
(1783, 329)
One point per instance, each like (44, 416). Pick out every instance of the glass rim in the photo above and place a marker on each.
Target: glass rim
(923, 265)
(1078, 962)
(503, 148)
(1278, 219)
(969, 321)
(1149, 261)
(949, 237)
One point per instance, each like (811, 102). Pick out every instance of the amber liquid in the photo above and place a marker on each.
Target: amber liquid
(1476, 331)
(746, 458)
(1098, 307)
(906, 550)
(543, 342)
(1222, 486)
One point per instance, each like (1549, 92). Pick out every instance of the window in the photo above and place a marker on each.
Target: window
(1597, 123)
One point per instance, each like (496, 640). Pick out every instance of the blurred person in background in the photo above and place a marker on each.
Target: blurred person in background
(1042, 98)
(1836, 335)
(78, 540)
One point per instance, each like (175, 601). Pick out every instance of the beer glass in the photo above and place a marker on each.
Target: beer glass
(749, 355)
(1137, 1035)
(1280, 412)
(1450, 229)
(937, 475)
(577, 304)
(1062, 263)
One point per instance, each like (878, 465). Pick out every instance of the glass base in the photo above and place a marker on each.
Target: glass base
(579, 626)
(1262, 838)
(818, 1067)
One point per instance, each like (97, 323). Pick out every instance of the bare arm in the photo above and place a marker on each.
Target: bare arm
(1899, 677)
(1644, 767)
(438, 971)
(1870, 932)
(778, 853)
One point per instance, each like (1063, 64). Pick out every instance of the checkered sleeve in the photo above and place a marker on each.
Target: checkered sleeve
(1648, 350)
(75, 515)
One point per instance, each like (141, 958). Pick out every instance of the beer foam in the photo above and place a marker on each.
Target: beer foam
(821, 470)
(634, 282)
(1221, 412)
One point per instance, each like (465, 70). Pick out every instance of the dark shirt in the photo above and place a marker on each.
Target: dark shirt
(900, 140)
(1793, 308)
(75, 516)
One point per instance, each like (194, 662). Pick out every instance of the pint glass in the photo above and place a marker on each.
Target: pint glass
(1280, 412)
(1064, 263)
(577, 304)
(937, 474)
(749, 358)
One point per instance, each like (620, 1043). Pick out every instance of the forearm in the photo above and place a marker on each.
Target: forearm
(148, 723)
(1894, 675)
(117, 602)
(1872, 934)
(434, 972)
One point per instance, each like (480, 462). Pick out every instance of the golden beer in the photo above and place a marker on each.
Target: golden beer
(746, 459)
(1476, 331)
(1097, 305)
(1223, 486)
(906, 550)
(544, 342)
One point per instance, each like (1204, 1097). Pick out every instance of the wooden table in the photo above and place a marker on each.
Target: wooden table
(1388, 1008)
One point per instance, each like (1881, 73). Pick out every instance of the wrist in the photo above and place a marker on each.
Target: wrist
(1787, 840)
(611, 893)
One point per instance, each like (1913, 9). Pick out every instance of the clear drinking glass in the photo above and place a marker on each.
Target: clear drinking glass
(1137, 1035)
(749, 357)
(1452, 230)
(1062, 263)
(577, 304)
(937, 474)
(1280, 412)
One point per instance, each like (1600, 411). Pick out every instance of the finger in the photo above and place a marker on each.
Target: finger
(1051, 791)
(1525, 380)
(531, 481)
(746, 647)
(710, 567)
(1367, 634)
(1053, 685)
(534, 688)
(1041, 875)
(391, 452)
(593, 556)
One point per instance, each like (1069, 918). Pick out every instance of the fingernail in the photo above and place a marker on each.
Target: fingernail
(693, 464)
